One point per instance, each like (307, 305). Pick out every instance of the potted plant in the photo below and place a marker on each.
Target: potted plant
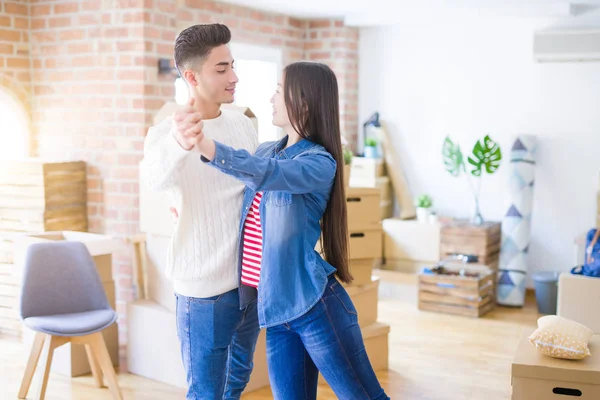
(423, 204)
(347, 164)
(486, 156)
(371, 148)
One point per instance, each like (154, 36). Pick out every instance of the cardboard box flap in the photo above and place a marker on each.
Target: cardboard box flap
(530, 363)
(374, 330)
(354, 290)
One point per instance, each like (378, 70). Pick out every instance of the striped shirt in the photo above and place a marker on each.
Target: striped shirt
(252, 252)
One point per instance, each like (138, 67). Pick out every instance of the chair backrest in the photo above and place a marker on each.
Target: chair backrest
(60, 277)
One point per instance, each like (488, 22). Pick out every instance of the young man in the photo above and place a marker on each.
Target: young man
(217, 336)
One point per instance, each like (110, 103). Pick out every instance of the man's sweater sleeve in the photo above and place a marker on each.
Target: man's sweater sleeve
(163, 157)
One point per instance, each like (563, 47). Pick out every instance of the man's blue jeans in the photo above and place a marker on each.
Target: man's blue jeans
(217, 344)
(326, 339)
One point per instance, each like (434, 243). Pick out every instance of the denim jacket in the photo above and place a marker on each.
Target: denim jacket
(297, 184)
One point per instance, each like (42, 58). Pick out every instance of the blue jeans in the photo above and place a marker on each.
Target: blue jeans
(217, 344)
(327, 339)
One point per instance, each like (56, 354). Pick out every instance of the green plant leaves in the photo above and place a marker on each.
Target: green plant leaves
(347, 155)
(424, 201)
(485, 154)
(453, 158)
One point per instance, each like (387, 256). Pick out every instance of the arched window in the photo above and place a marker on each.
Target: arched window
(14, 131)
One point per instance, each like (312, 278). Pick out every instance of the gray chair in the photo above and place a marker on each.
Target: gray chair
(63, 300)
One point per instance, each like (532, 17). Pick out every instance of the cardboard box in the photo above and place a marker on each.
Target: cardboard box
(363, 206)
(409, 243)
(155, 216)
(365, 242)
(160, 288)
(386, 210)
(376, 339)
(101, 247)
(364, 299)
(365, 171)
(362, 271)
(537, 376)
(385, 187)
(579, 299)
(150, 324)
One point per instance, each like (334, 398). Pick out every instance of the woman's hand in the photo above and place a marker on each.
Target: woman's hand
(188, 122)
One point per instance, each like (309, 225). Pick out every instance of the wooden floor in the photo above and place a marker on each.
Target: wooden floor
(432, 356)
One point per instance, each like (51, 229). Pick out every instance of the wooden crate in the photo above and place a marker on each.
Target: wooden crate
(10, 322)
(456, 294)
(461, 237)
(40, 196)
(6, 248)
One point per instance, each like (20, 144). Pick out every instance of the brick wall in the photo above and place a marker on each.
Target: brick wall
(96, 85)
(336, 45)
(90, 103)
(15, 62)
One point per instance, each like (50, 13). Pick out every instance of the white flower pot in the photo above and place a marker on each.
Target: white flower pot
(423, 214)
(433, 218)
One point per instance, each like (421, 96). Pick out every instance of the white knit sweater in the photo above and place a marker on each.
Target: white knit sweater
(203, 252)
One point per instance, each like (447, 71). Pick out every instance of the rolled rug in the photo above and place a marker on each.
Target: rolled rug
(516, 224)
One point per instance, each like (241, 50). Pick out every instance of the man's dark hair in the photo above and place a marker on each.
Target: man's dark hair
(194, 44)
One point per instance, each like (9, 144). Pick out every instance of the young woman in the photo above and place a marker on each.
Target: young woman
(294, 193)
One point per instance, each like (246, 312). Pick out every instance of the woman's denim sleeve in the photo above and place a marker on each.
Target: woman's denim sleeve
(309, 172)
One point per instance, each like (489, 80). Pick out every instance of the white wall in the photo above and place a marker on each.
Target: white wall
(471, 77)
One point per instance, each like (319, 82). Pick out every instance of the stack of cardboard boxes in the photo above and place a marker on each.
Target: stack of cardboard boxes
(365, 249)
(35, 196)
(371, 173)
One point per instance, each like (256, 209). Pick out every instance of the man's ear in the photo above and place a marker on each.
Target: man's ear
(190, 77)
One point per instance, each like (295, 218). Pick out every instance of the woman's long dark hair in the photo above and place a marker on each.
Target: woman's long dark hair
(312, 102)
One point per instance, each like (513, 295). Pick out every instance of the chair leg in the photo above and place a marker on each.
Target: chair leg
(34, 356)
(101, 354)
(48, 353)
(95, 366)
